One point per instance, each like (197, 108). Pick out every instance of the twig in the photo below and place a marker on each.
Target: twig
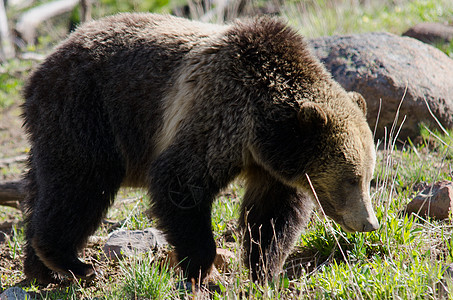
(11, 160)
(435, 119)
(32, 56)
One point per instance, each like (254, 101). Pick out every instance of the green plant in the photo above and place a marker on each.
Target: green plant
(144, 278)
(328, 17)
(12, 75)
(447, 48)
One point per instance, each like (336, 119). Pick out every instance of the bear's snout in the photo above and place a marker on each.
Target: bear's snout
(361, 219)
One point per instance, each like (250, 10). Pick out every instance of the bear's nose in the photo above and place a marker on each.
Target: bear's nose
(371, 226)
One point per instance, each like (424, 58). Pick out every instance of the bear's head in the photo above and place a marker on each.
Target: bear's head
(325, 147)
(339, 176)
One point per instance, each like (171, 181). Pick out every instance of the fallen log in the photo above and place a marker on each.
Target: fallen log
(12, 193)
(29, 21)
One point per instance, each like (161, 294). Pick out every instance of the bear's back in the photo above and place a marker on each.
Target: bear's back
(145, 47)
(111, 76)
(133, 29)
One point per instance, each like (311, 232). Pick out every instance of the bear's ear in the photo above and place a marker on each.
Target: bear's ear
(311, 115)
(357, 98)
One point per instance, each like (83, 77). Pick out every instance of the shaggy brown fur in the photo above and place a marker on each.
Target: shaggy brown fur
(182, 108)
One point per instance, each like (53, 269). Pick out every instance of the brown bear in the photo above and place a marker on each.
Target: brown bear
(182, 108)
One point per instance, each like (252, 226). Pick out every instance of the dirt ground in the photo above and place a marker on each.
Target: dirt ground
(13, 143)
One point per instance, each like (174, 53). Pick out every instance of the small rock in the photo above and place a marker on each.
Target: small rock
(431, 33)
(383, 66)
(14, 293)
(435, 201)
(131, 242)
(97, 240)
(222, 259)
(185, 286)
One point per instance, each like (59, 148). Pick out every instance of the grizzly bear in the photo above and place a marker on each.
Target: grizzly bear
(182, 108)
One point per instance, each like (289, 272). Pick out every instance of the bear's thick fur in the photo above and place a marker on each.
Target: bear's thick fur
(182, 108)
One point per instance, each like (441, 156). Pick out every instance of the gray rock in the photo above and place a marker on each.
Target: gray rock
(131, 242)
(431, 33)
(434, 201)
(14, 293)
(382, 66)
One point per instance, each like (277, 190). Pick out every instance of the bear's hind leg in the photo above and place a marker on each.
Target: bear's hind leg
(67, 210)
(34, 268)
(272, 215)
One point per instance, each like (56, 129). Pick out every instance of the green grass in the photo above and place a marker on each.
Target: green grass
(329, 17)
(12, 76)
(447, 48)
(146, 278)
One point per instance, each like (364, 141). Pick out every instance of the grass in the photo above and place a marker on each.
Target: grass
(146, 278)
(329, 17)
(406, 258)
(447, 48)
(12, 76)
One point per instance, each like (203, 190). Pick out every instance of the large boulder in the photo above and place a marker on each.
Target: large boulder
(383, 66)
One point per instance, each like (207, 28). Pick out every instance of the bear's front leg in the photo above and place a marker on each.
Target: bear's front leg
(272, 215)
(191, 235)
(182, 193)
